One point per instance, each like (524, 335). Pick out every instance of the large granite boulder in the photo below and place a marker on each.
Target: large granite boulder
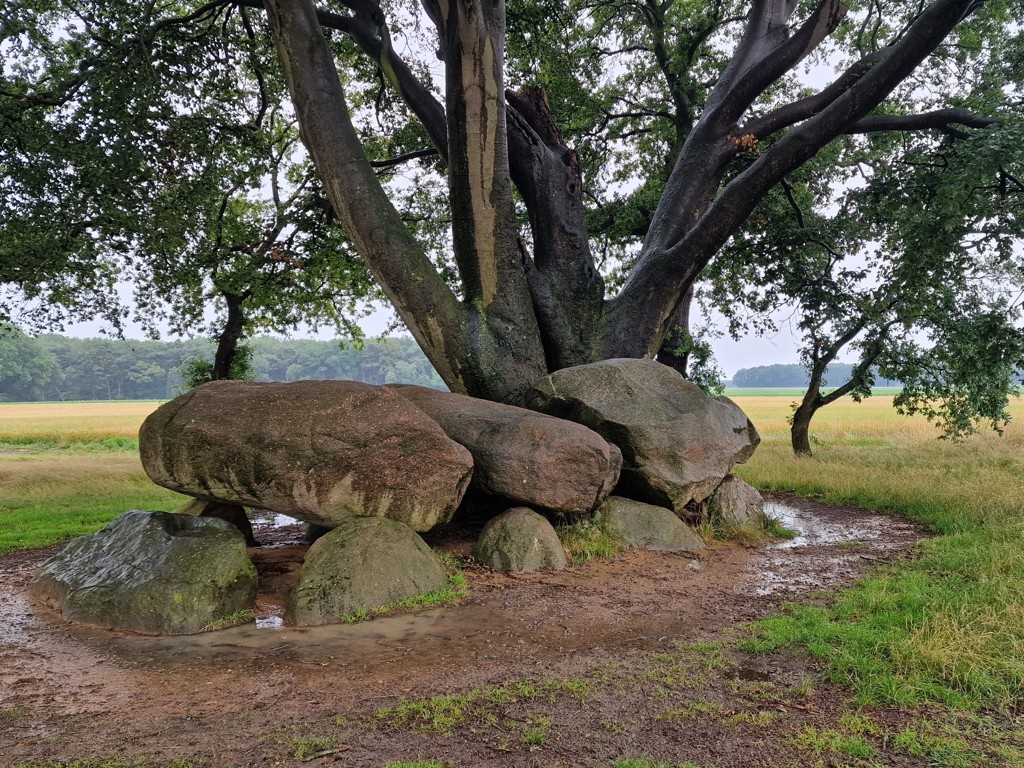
(318, 451)
(519, 540)
(677, 443)
(737, 504)
(363, 564)
(645, 526)
(153, 572)
(523, 456)
(231, 513)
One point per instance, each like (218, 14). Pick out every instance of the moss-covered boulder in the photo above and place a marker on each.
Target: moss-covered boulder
(152, 572)
(360, 565)
(518, 540)
(645, 526)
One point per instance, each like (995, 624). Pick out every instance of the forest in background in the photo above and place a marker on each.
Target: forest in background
(797, 375)
(58, 368)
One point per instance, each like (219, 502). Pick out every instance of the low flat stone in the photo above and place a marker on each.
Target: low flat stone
(677, 443)
(360, 565)
(318, 451)
(645, 526)
(152, 572)
(519, 540)
(523, 456)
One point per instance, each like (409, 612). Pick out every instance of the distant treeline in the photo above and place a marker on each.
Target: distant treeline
(796, 375)
(59, 368)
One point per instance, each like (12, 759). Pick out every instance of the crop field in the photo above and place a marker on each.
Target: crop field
(61, 425)
(67, 469)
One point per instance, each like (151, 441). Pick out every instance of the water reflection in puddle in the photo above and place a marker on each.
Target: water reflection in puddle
(268, 519)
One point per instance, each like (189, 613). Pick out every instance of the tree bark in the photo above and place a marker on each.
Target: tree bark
(230, 336)
(799, 431)
(678, 337)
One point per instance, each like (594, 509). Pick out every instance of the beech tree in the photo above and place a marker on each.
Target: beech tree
(630, 138)
(918, 271)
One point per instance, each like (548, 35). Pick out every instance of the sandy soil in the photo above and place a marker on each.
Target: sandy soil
(291, 696)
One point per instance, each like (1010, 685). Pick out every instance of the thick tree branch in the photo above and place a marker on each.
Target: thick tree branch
(367, 27)
(766, 55)
(566, 287)
(802, 109)
(662, 275)
(421, 297)
(940, 120)
(407, 157)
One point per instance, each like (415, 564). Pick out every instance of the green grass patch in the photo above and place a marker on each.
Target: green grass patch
(585, 541)
(47, 499)
(945, 626)
(824, 741)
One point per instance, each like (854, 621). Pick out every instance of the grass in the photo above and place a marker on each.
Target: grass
(47, 498)
(64, 425)
(585, 541)
(946, 626)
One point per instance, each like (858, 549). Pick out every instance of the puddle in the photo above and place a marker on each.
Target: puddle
(813, 529)
(267, 519)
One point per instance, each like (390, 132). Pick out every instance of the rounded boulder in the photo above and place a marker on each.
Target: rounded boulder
(360, 565)
(645, 526)
(677, 443)
(519, 540)
(523, 456)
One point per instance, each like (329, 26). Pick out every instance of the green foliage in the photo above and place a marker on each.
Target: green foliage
(159, 152)
(197, 371)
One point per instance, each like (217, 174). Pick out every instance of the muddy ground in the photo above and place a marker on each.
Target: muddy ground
(635, 657)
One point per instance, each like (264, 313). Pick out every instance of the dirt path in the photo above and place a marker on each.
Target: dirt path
(277, 696)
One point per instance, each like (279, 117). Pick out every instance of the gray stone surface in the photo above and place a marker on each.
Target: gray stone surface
(153, 572)
(523, 456)
(318, 451)
(677, 443)
(518, 540)
(231, 513)
(360, 565)
(737, 504)
(645, 526)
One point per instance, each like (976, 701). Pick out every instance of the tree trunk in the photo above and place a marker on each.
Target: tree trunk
(227, 342)
(800, 429)
(675, 349)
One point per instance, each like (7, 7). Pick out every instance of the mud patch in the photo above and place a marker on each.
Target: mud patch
(215, 697)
